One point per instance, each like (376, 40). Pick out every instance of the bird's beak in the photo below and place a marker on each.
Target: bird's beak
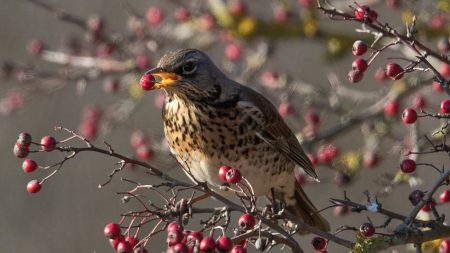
(164, 78)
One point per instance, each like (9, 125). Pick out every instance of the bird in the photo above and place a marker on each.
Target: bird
(210, 120)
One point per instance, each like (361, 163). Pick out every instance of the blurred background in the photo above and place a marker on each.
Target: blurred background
(70, 212)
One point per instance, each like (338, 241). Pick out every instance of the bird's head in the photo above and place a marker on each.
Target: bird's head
(188, 72)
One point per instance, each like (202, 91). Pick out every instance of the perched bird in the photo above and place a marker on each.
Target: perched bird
(211, 120)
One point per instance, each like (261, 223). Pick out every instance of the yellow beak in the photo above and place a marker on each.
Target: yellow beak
(164, 78)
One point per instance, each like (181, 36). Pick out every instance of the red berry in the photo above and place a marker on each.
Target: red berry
(355, 76)
(418, 102)
(88, 129)
(139, 138)
(112, 230)
(132, 240)
(380, 75)
(238, 249)
(408, 166)
(365, 13)
(180, 248)
(91, 112)
(154, 15)
(370, 159)
(207, 21)
(318, 243)
(394, 71)
(445, 106)
(416, 196)
(182, 14)
(115, 242)
(312, 117)
(223, 172)
(445, 70)
(35, 47)
(391, 108)
(285, 108)
(20, 151)
(237, 7)
(174, 237)
(142, 62)
(24, 139)
(428, 206)
(207, 244)
(409, 116)
(367, 229)
(359, 48)
(306, 3)
(327, 152)
(233, 51)
(48, 143)
(444, 247)
(224, 244)
(33, 186)
(393, 3)
(173, 226)
(280, 14)
(29, 165)
(437, 87)
(246, 221)
(105, 49)
(233, 176)
(144, 152)
(359, 65)
(269, 78)
(193, 238)
(147, 81)
(124, 247)
(444, 197)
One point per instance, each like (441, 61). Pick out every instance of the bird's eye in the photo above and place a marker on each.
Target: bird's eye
(189, 68)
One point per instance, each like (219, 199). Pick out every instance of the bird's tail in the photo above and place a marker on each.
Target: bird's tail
(306, 210)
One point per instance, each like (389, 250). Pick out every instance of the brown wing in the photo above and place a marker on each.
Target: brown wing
(275, 131)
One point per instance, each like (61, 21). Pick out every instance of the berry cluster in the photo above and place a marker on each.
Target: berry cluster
(120, 242)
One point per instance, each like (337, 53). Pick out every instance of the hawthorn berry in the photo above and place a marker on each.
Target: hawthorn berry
(124, 247)
(359, 48)
(24, 139)
(180, 248)
(182, 14)
(239, 249)
(418, 101)
(409, 116)
(29, 165)
(207, 21)
(437, 87)
(312, 158)
(363, 12)
(380, 75)
(445, 70)
(224, 244)
(233, 51)
(367, 229)
(237, 7)
(444, 247)
(370, 159)
(355, 76)
(139, 138)
(88, 129)
(112, 230)
(246, 221)
(408, 166)
(416, 196)
(280, 14)
(147, 81)
(174, 237)
(327, 152)
(207, 244)
(428, 206)
(115, 242)
(20, 151)
(33, 186)
(393, 3)
(154, 15)
(359, 65)
(48, 143)
(318, 243)
(443, 45)
(391, 108)
(132, 240)
(444, 197)
(445, 106)
(233, 176)
(173, 226)
(142, 61)
(223, 172)
(35, 47)
(394, 71)
(285, 108)
(144, 152)
(192, 238)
